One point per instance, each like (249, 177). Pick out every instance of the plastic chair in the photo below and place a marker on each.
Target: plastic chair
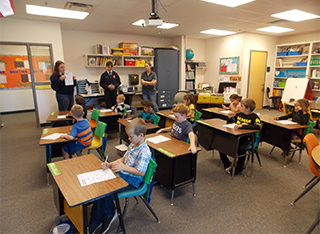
(97, 142)
(94, 118)
(275, 100)
(311, 142)
(197, 116)
(314, 115)
(144, 191)
(156, 119)
(124, 112)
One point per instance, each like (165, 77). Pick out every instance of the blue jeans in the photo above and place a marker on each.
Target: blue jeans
(65, 101)
(105, 207)
(152, 96)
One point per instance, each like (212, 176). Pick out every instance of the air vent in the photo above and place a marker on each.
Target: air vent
(277, 21)
(75, 6)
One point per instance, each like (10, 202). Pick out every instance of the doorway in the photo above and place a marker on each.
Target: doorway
(257, 76)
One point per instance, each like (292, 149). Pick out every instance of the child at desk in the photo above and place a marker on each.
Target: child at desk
(131, 167)
(300, 115)
(245, 119)
(188, 102)
(80, 101)
(234, 105)
(119, 107)
(148, 113)
(182, 128)
(81, 130)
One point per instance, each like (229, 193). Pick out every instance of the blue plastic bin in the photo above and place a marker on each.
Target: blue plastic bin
(301, 64)
(282, 53)
(294, 53)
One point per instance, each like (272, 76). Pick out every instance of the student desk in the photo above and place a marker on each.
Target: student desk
(53, 117)
(111, 119)
(312, 105)
(277, 134)
(151, 128)
(167, 118)
(212, 135)
(214, 112)
(71, 198)
(176, 165)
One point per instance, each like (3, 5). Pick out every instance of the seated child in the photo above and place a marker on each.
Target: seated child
(235, 103)
(188, 102)
(119, 107)
(80, 101)
(182, 128)
(245, 119)
(148, 113)
(81, 130)
(299, 115)
(131, 167)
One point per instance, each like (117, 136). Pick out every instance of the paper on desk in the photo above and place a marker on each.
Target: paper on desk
(172, 116)
(53, 136)
(106, 110)
(158, 139)
(229, 125)
(95, 177)
(285, 122)
(69, 78)
(226, 111)
(61, 116)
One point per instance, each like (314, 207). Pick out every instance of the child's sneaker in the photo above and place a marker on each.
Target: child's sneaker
(107, 221)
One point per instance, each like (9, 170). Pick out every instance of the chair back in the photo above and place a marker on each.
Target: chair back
(148, 176)
(100, 129)
(197, 116)
(156, 119)
(95, 114)
(311, 142)
(311, 125)
(124, 112)
(312, 116)
(285, 108)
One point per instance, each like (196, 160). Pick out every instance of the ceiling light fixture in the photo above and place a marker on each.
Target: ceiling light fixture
(275, 29)
(55, 12)
(229, 3)
(295, 15)
(217, 32)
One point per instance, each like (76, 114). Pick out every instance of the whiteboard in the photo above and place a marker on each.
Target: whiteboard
(295, 88)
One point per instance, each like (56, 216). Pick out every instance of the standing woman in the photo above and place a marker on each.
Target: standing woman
(148, 82)
(110, 81)
(64, 93)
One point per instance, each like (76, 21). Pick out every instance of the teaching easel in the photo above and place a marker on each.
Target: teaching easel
(296, 88)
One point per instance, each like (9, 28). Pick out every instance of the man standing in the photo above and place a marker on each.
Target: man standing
(110, 81)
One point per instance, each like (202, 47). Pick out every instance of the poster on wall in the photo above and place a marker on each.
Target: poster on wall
(15, 70)
(229, 65)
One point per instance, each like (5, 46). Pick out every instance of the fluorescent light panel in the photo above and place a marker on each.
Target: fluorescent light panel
(229, 3)
(163, 26)
(275, 29)
(55, 12)
(295, 15)
(217, 32)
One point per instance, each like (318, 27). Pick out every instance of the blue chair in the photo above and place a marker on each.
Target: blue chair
(144, 191)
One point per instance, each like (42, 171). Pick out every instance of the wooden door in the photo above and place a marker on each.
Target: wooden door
(257, 75)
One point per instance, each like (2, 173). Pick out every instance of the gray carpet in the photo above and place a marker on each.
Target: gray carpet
(258, 204)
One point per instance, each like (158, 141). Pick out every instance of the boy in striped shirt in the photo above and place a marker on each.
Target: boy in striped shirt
(81, 130)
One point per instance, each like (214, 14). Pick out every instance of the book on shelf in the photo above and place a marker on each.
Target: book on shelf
(190, 75)
(91, 61)
(189, 85)
(100, 49)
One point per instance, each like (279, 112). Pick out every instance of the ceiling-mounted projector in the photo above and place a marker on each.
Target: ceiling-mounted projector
(152, 23)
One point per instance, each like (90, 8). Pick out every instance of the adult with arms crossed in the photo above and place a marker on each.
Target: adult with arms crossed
(148, 82)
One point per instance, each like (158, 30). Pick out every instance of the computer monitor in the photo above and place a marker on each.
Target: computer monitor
(133, 79)
(224, 85)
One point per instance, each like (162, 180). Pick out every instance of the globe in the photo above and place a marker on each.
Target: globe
(189, 54)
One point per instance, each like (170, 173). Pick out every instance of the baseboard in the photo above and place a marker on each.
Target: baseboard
(14, 112)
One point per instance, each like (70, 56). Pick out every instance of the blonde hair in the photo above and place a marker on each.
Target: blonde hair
(137, 126)
(121, 97)
(77, 111)
(248, 102)
(181, 109)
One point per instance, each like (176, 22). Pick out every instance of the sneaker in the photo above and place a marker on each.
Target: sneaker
(93, 228)
(107, 223)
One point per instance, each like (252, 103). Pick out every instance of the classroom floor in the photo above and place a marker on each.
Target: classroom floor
(258, 204)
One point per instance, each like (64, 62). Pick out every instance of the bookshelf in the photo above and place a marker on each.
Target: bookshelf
(314, 71)
(191, 72)
(100, 60)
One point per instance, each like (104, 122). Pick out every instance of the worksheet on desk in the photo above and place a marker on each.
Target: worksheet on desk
(95, 177)
(53, 136)
(285, 122)
(158, 139)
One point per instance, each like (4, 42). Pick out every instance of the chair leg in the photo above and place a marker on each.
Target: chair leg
(257, 154)
(149, 207)
(136, 199)
(194, 189)
(306, 190)
(272, 149)
(123, 213)
(172, 195)
(315, 177)
(315, 223)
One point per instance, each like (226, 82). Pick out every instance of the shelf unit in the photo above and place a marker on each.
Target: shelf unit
(191, 72)
(314, 71)
(295, 64)
(100, 60)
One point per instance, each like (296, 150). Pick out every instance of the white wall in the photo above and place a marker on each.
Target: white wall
(78, 43)
(306, 37)
(15, 30)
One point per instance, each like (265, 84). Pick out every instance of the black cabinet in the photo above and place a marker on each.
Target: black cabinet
(166, 66)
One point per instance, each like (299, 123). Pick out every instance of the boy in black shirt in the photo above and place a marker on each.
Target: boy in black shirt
(244, 119)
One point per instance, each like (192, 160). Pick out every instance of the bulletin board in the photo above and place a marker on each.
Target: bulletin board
(15, 70)
(229, 65)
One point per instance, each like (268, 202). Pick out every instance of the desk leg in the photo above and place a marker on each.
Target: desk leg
(85, 218)
(116, 198)
(172, 195)
(48, 158)
(315, 223)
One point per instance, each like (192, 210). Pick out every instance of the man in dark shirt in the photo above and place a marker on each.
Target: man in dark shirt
(110, 81)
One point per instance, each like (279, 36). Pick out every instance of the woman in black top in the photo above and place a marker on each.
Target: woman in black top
(64, 94)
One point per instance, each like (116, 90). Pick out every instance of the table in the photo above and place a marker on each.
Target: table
(213, 135)
(53, 117)
(214, 112)
(279, 135)
(73, 199)
(111, 119)
(167, 118)
(176, 165)
(151, 128)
